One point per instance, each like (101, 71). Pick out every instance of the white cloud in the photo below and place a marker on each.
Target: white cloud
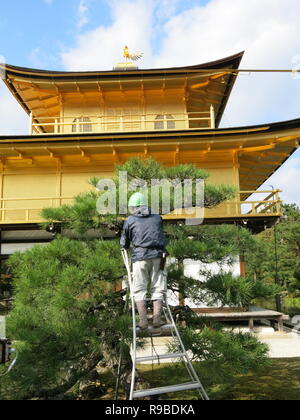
(166, 9)
(37, 57)
(82, 14)
(267, 30)
(13, 119)
(102, 48)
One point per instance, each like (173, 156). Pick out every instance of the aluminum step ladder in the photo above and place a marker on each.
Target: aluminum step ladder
(170, 329)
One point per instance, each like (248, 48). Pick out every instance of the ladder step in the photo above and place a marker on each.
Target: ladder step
(165, 330)
(163, 327)
(160, 357)
(166, 390)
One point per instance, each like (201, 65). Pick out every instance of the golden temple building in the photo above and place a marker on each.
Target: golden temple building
(81, 124)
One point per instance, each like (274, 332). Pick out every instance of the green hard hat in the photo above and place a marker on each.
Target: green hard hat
(137, 200)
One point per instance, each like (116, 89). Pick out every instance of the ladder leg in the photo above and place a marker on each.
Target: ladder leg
(133, 351)
(196, 384)
(188, 363)
(177, 341)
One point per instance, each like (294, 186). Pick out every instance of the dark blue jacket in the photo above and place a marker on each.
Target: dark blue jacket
(145, 231)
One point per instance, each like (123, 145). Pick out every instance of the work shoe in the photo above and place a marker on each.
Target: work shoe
(157, 311)
(142, 310)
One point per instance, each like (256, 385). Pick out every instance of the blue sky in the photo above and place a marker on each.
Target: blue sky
(35, 32)
(90, 35)
(46, 25)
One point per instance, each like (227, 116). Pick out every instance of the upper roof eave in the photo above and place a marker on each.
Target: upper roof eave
(230, 62)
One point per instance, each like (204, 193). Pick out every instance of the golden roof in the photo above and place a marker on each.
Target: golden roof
(42, 92)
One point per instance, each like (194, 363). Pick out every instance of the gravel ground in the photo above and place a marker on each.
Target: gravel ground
(282, 345)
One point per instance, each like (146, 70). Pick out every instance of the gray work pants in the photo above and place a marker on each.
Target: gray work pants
(145, 272)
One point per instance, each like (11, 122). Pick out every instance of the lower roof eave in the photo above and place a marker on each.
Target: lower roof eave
(229, 131)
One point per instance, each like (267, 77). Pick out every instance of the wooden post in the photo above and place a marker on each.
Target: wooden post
(278, 204)
(143, 122)
(59, 180)
(242, 265)
(31, 124)
(212, 117)
(187, 121)
(251, 325)
(280, 324)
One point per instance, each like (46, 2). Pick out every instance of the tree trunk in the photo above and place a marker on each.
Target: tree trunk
(79, 370)
(124, 371)
(182, 293)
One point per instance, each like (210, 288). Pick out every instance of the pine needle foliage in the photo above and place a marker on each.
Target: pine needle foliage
(218, 245)
(64, 305)
(226, 290)
(224, 353)
(281, 243)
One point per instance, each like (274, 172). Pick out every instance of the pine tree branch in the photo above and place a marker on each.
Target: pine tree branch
(83, 367)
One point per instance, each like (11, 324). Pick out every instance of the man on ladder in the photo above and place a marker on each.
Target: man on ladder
(144, 231)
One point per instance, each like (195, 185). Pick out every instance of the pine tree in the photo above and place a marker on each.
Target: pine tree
(68, 317)
(276, 256)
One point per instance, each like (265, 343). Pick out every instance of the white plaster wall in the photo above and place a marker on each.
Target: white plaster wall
(9, 249)
(192, 269)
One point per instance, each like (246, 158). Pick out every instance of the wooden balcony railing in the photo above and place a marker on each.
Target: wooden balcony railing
(131, 122)
(271, 204)
(27, 210)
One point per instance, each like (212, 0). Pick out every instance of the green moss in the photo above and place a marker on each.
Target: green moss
(278, 382)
